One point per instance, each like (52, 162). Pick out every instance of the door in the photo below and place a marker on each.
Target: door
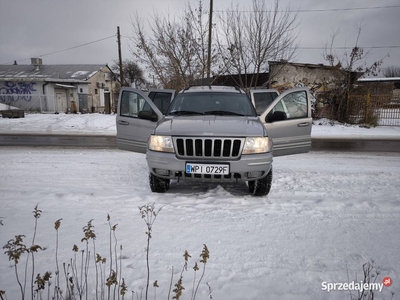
(133, 131)
(262, 99)
(61, 99)
(107, 103)
(288, 122)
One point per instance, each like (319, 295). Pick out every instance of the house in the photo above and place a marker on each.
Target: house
(58, 88)
(284, 75)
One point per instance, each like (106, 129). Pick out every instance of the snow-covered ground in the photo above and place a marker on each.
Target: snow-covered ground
(105, 124)
(327, 215)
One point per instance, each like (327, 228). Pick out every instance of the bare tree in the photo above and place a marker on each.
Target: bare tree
(175, 51)
(391, 71)
(249, 39)
(133, 74)
(353, 65)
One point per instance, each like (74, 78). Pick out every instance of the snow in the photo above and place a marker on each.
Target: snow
(79, 73)
(61, 124)
(327, 214)
(105, 124)
(6, 106)
(325, 128)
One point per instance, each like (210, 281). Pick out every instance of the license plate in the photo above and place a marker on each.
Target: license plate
(210, 169)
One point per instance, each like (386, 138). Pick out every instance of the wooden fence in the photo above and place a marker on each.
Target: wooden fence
(383, 110)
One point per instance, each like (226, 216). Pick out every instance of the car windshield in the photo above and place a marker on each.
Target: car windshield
(211, 103)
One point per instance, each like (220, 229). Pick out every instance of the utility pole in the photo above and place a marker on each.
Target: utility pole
(209, 41)
(121, 72)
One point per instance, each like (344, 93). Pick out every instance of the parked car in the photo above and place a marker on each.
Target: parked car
(213, 134)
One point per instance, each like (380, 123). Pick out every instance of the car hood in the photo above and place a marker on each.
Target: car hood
(210, 126)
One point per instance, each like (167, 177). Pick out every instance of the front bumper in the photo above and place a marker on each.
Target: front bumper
(243, 169)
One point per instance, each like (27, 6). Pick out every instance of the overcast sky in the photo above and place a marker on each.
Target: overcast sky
(34, 28)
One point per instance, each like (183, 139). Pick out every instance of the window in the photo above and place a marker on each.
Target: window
(263, 100)
(213, 103)
(81, 90)
(95, 91)
(161, 100)
(293, 105)
(132, 103)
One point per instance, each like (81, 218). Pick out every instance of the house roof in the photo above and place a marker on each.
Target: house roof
(71, 73)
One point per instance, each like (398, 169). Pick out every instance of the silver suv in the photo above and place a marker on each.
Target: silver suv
(213, 134)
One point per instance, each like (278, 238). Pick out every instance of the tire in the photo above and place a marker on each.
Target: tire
(157, 184)
(261, 187)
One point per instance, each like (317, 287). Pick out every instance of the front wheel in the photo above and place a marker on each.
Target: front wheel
(261, 187)
(157, 184)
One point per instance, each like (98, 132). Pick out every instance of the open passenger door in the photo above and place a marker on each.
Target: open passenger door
(288, 122)
(137, 116)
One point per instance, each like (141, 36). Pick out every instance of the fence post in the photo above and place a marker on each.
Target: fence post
(367, 108)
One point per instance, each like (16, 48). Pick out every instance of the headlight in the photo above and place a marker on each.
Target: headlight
(254, 145)
(161, 143)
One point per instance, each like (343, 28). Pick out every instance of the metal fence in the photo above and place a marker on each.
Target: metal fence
(30, 102)
(381, 110)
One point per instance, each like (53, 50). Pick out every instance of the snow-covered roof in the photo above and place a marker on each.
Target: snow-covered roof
(385, 79)
(46, 72)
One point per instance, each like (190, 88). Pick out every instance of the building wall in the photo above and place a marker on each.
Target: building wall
(22, 94)
(51, 97)
(40, 96)
(317, 78)
(100, 84)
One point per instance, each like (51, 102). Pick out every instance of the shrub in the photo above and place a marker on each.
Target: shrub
(74, 274)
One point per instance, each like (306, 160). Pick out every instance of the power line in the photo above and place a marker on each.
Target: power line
(344, 48)
(322, 48)
(67, 49)
(317, 10)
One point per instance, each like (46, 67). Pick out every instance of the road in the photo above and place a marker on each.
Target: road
(109, 141)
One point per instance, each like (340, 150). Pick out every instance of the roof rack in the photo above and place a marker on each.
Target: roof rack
(238, 89)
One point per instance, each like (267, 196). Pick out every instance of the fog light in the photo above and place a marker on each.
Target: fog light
(254, 174)
(162, 172)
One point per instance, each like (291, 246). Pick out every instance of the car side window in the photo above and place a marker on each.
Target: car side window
(263, 101)
(131, 104)
(294, 105)
(161, 100)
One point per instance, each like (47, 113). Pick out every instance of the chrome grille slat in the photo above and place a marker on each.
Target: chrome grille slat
(208, 147)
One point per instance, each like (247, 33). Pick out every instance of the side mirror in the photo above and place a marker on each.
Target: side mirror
(276, 116)
(147, 115)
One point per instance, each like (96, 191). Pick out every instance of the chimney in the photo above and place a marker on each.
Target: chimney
(37, 62)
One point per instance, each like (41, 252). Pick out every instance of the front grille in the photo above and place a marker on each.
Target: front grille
(208, 147)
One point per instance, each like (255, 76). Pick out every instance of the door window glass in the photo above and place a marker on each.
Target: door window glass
(161, 100)
(263, 100)
(131, 104)
(294, 105)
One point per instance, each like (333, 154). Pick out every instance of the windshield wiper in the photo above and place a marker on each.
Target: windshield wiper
(185, 113)
(222, 113)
